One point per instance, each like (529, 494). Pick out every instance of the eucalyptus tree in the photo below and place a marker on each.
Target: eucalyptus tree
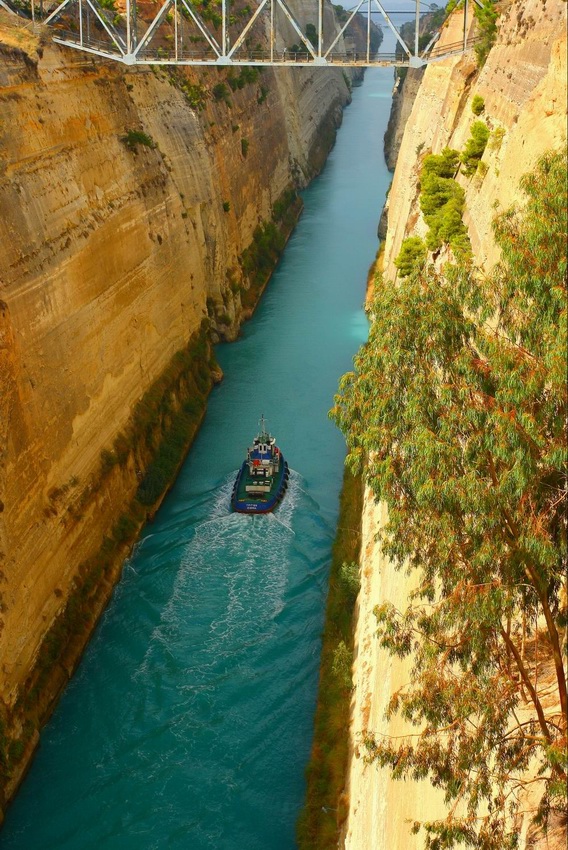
(456, 415)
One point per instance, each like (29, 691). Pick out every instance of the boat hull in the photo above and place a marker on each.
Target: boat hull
(248, 503)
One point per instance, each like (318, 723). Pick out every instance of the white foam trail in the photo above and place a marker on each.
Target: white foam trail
(237, 565)
(287, 527)
(222, 503)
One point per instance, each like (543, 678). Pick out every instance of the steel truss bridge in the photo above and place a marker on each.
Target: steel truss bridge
(238, 32)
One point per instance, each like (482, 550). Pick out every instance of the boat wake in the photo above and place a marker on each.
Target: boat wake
(234, 577)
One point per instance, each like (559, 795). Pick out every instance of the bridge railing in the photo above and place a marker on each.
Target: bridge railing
(152, 55)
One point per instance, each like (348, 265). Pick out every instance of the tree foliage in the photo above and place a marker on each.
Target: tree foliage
(312, 34)
(456, 412)
(474, 147)
(442, 201)
(477, 104)
(486, 17)
(411, 257)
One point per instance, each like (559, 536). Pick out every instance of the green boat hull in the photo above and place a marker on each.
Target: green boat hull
(256, 501)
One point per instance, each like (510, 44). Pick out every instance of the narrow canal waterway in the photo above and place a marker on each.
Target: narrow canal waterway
(189, 722)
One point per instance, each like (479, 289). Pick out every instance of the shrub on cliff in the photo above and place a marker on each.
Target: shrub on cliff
(173, 445)
(411, 257)
(456, 415)
(443, 164)
(133, 138)
(475, 146)
(442, 201)
(282, 206)
(312, 35)
(260, 257)
(246, 75)
(221, 93)
(477, 104)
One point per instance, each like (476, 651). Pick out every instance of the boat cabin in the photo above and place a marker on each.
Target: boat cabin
(263, 460)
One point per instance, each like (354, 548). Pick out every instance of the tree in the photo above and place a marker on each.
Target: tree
(456, 413)
(474, 147)
(486, 17)
(442, 201)
(411, 257)
(312, 35)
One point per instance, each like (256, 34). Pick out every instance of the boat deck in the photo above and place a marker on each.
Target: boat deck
(253, 496)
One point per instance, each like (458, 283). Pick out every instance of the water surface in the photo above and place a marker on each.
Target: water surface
(189, 722)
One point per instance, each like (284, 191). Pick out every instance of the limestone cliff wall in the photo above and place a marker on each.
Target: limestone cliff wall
(111, 256)
(404, 94)
(523, 84)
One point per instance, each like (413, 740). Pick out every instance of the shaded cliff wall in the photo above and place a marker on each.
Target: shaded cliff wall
(523, 84)
(404, 93)
(114, 249)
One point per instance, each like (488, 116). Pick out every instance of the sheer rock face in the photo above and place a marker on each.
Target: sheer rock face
(110, 257)
(403, 96)
(523, 84)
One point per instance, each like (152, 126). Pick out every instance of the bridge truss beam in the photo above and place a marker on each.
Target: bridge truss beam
(180, 33)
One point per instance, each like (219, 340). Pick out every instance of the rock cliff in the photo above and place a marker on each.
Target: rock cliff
(128, 200)
(404, 93)
(523, 87)
(524, 91)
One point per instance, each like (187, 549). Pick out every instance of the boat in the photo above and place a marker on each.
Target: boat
(262, 480)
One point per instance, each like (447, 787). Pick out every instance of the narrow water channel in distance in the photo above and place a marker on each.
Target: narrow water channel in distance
(189, 722)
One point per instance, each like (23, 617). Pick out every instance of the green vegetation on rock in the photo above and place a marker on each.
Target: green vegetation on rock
(194, 93)
(477, 104)
(133, 138)
(475, 146)
(269, 238)
(221, 93)
(455, 414)
(412, 256)
(312, 35)
(442, 201)
(486, 16)
(246, 76)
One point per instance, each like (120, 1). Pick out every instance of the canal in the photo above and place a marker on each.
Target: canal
(189, 722)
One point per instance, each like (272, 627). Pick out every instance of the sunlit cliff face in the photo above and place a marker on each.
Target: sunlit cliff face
(523, 86)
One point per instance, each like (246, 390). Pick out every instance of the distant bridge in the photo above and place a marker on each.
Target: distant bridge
(237, 32)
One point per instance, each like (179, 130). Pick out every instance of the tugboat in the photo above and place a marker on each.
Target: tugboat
(263, 478)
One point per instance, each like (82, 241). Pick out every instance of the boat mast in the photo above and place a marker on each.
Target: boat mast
(263, 431)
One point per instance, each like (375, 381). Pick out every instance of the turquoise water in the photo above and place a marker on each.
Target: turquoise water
(189, 722)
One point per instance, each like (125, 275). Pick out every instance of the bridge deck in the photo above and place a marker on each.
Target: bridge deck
(351, 59)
